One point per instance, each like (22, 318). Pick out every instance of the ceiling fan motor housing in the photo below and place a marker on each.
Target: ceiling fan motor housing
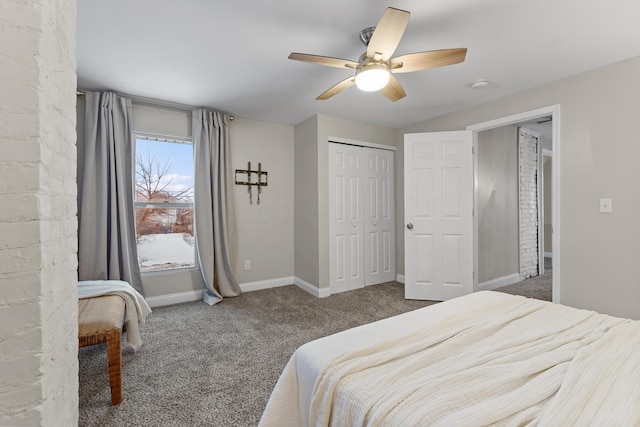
(365, 35)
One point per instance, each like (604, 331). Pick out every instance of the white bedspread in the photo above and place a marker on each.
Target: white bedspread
(484, 359)
(136, 308)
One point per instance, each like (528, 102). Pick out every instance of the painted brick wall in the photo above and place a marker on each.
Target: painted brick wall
(38, 293)
(528, 167)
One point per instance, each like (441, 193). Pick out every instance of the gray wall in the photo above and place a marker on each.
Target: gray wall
(497, 199)
(269, 225)
(598, 151)
(161, 119)
(306, 201)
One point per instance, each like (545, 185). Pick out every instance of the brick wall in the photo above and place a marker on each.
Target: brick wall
(528, 173)
(38, 294)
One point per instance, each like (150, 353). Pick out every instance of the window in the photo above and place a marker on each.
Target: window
(164, 202)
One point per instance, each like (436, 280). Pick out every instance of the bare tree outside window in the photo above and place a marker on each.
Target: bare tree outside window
(154, 179)
(154, 184)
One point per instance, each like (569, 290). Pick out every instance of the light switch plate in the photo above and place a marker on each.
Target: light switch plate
(605, 205)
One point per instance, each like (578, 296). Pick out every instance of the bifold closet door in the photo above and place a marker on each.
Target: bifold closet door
(379, 226)
(361, 217)
(346, 226)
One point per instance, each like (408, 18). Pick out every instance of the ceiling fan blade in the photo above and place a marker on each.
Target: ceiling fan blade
(323, 60)
(393, 90)
(431, 59)
(345, 84)
(388, 33)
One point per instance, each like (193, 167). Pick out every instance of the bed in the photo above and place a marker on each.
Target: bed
(487, 358)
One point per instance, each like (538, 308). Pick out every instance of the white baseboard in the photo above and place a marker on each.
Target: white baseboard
(400, 278)
(189, 296)
(176, 298)
(308, 287)
(499, 282)
(266, 284)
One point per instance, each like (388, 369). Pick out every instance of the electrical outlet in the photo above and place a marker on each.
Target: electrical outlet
(605, 205)
(247, 264)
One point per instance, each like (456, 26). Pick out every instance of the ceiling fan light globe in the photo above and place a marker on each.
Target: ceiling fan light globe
(372, 78)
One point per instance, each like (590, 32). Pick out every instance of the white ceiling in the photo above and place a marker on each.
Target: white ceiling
(232, 55)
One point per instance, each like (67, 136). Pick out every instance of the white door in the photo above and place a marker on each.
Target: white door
(379, 225)
(346, 227)
(438, 180)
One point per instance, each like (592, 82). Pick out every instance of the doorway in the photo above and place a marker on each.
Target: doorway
(551, 113)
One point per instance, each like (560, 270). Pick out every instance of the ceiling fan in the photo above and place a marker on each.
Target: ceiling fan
(375, 68)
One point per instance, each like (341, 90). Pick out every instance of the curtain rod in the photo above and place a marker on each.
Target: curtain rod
(153, 102)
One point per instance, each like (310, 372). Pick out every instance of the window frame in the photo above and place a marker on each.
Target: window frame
(160, 137)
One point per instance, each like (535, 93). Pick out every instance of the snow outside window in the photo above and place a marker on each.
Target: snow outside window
(164, 202)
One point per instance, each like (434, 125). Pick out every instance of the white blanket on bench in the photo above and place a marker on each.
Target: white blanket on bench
(136, 308)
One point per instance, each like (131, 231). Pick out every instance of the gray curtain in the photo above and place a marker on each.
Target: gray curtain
(214, 217)
(106, 229)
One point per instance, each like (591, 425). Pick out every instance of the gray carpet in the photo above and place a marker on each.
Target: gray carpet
(535, 287)
(216, 366)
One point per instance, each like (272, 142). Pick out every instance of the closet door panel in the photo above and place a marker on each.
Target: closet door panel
(380, 224)
(346, 242)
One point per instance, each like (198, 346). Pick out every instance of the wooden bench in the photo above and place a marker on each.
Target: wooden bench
(100, 321)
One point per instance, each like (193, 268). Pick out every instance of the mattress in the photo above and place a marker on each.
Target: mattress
(483, 359)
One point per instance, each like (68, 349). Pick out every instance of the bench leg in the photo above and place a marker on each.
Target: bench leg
(115, 365)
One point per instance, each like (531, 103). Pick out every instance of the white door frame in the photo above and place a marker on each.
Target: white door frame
(554, 112)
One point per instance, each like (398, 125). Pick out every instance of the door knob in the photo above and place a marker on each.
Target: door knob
(410, 226)
(375, 223)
